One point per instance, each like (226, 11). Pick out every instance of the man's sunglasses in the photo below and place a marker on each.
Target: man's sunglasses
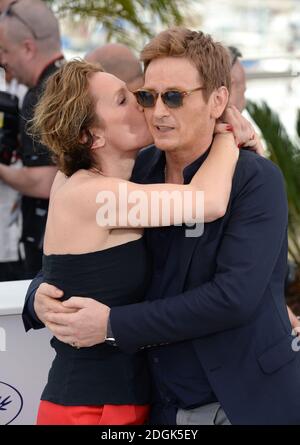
(171, 98)
(10, 12)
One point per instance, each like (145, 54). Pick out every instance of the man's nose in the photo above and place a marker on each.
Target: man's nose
(160, 109)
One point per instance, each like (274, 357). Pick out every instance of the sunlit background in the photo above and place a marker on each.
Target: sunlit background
(267, 32)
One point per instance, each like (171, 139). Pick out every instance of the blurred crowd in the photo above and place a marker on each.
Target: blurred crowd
(30, 51)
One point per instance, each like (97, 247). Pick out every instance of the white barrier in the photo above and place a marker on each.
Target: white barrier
(25, 359)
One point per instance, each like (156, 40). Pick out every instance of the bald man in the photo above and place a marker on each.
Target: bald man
(238, 80)
(31, 50)
(120, 61)
(4, 4)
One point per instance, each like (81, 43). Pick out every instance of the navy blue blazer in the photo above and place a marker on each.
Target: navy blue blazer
(230, 303)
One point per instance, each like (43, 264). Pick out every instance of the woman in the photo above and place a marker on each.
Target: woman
(94, 128)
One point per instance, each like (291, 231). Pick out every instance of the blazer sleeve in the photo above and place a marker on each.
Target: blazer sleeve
(30, 319)
(252, 240)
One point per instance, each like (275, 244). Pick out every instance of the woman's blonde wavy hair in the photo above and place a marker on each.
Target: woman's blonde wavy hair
(64, 115)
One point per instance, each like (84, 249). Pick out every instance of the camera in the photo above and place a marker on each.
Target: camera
(9, 126)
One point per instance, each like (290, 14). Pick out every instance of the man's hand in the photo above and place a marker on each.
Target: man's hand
(46, 302)
(85, 327)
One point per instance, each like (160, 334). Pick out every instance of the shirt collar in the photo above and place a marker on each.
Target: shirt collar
(52, 66)
(188, 172)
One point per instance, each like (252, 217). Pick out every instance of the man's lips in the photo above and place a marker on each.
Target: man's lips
(163, 128)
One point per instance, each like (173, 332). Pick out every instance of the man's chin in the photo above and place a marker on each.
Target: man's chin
(164, 145)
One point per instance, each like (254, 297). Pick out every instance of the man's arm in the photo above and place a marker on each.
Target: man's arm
(30, 319)
(30, 181)
(42, 300)
(251, 244)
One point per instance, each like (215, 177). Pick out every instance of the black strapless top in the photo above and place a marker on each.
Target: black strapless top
(101, 374)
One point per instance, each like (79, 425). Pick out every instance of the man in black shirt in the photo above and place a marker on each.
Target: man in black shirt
(31, 49)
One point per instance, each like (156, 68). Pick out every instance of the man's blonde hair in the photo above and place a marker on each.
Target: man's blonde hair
(209, 57)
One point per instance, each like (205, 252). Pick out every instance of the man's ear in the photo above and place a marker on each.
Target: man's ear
(219, 99)
(30, 48)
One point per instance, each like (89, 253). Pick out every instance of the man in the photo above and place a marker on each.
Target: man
(4, 4)
(238, 99)
(118, 60)
(12, 86)
(10, 222)
(31, 50)
(215, 324)
(238, 80)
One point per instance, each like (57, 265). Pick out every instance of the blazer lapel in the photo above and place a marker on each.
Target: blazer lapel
(188, 246)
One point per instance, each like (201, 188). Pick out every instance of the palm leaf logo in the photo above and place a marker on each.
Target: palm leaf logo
(4, 403)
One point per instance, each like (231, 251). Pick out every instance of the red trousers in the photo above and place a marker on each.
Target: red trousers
(52, 414)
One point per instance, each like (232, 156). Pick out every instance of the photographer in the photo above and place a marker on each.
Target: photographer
(31, 50)
(11, 265)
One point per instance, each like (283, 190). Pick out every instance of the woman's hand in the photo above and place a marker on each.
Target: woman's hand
(243, 131)
(256, 145)
(295, 322)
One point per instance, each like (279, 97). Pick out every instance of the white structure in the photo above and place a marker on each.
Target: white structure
(24, 359)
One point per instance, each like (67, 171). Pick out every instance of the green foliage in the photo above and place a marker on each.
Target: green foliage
(138, 15)
(286, 154)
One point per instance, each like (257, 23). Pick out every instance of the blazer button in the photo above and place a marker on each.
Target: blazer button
(155, 360)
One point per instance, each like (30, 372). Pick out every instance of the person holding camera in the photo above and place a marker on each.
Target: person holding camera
(31, 50)
(11, 96)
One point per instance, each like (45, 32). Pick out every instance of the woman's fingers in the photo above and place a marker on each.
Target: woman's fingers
(221, 127)
(242, 129)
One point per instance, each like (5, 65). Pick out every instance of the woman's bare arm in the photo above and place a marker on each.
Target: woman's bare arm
(124, 204)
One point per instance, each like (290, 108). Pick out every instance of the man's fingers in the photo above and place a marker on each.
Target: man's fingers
(48, 304)
(65, 338)
(50, 291)
(52, 305)
(58, 330)
(59, 318)
(76, 302)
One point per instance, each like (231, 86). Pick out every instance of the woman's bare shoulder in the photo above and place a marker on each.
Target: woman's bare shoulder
(80, 190)
(87, 182)
(59, 180)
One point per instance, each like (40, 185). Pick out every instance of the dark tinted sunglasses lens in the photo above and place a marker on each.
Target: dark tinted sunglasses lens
(173, 99)
(145, 98)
